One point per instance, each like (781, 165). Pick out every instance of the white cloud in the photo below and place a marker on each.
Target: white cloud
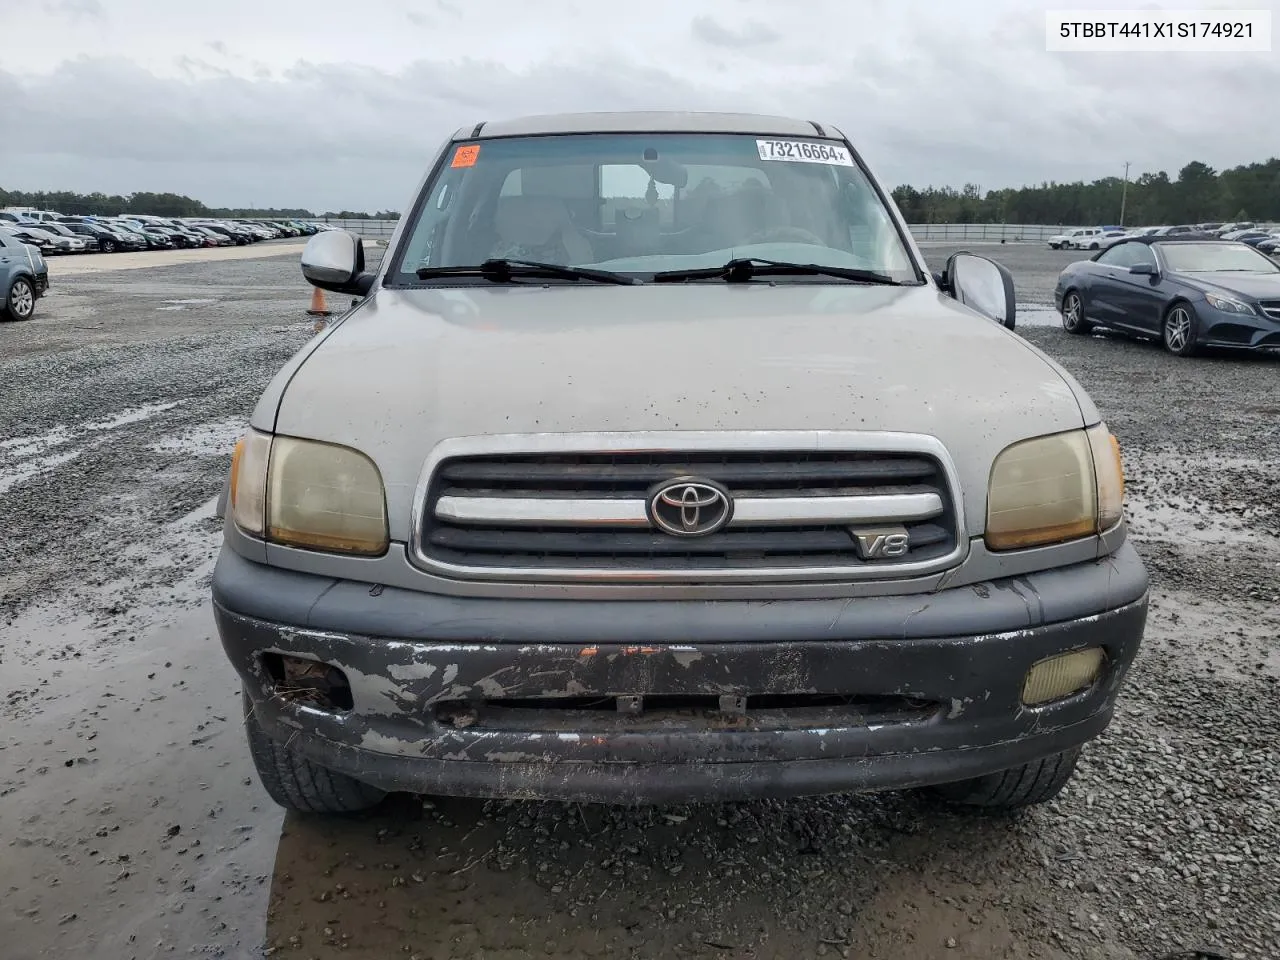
(296, 102)
(74, 8)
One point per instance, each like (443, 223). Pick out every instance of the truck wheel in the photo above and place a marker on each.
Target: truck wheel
(296, 783)
(1032, 783)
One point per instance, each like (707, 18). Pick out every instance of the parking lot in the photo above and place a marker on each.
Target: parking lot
(132, 825)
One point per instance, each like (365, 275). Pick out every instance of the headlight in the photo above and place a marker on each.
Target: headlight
(303, 493)
(1228, 304)
(1055, 488)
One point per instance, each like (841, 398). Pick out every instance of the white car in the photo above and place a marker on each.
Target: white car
(1068, 240)
(1106, 239)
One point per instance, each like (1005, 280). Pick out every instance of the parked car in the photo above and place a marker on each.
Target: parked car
(1251, 237)
(107, 239)
(258, 230)
(1097, 241)
(1232, 227)
(1067, 240)
(240, 237)
(212, 237)
(11, 216)
(154, 241)
(1185, 230)
(129, 229)
(1192, 294)
(1270, 247)
(86, 244)
(24, 277)
(41, 215)
(610, 578)
(47, 241)
(179, 238)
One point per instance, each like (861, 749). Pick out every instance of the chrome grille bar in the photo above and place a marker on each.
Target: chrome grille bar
(747, 511)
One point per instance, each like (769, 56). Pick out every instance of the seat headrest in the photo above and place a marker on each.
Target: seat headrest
(530, 221)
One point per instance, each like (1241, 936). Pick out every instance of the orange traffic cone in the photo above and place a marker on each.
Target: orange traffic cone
(318, 306)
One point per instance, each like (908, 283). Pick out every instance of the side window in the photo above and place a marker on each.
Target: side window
(1121, 255)
(1142, 253)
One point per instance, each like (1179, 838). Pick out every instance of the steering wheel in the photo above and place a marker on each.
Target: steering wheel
(786, 235)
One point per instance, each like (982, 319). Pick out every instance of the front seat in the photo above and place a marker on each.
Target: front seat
(539, 228)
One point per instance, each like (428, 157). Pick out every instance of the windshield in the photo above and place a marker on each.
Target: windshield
(1216, 258)
(640, 204)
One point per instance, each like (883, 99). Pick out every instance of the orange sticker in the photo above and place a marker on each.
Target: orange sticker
(466, 156)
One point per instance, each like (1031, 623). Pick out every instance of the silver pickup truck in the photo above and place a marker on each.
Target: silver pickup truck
(791, 515)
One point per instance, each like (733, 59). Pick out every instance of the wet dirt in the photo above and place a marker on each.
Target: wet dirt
(132, 825)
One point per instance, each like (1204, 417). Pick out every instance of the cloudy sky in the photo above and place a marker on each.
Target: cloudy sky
(333, 105)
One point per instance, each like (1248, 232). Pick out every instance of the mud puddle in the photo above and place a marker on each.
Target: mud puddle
(126, 804)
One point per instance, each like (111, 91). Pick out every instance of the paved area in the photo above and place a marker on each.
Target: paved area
(131, 824)
(74, 265)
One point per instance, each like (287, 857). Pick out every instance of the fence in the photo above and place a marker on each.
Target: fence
(369, 229)
(954, 232)
(993, 232)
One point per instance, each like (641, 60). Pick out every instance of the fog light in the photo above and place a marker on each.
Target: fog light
(1061, 676)
(308, 682)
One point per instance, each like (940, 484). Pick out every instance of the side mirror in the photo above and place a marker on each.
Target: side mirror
(1144, 269)
(981, 284)
(334, 260)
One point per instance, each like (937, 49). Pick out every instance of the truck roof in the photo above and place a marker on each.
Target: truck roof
(647, 122)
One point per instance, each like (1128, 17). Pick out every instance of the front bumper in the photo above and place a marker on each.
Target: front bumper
(937, 680)
(1236, 331)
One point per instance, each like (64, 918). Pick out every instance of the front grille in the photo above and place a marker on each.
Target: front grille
(1271, 308)
(477, 512)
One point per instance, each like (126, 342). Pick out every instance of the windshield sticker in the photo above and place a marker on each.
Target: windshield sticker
(466, 156)
(804, 151)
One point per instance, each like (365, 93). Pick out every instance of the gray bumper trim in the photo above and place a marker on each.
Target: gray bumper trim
(324, 603)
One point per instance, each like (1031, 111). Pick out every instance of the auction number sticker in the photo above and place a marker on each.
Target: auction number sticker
(804, 151)
(466, 156)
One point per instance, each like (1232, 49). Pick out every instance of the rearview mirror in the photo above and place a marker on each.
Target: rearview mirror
(334, 260)
(667, 171)
(982, 285)
(1146, 269)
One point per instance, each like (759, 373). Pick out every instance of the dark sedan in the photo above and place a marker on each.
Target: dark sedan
(1192, 294)
(109, 241)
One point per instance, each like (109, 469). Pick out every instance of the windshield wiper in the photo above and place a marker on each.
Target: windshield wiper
(743, 269)
(504, 270)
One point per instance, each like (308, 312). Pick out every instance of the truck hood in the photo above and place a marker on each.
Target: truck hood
(409, 368)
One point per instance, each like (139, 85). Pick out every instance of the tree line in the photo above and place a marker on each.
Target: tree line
(1197, 194)
(163, 205)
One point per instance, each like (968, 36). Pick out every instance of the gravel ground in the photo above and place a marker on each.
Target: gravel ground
(132, 826)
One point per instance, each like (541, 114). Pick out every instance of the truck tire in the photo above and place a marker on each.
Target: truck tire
(1035, 782)
(295, 783)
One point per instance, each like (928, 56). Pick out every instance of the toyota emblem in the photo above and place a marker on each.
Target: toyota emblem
(690, 507)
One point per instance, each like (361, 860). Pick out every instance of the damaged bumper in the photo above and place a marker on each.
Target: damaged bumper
(656, 701)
